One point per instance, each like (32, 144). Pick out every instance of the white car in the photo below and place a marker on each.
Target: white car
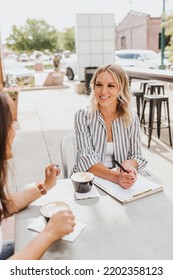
(17, 72)
(137, 58)
(23, 57)
(70, 65)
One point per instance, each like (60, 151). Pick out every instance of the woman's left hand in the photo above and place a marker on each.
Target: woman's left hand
(128, 179)
(51, 173)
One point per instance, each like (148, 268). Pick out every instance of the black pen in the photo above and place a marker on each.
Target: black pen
(123, 169)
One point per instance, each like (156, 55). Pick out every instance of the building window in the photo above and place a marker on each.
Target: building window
(123, 42)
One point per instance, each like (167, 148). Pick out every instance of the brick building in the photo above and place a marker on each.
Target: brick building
(138, 31)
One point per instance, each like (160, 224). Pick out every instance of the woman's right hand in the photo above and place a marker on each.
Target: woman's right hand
(126, 180)
(60, 224)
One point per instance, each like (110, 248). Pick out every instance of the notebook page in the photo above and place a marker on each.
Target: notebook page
(141, 185)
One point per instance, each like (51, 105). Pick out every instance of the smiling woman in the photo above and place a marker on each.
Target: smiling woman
(108, 131)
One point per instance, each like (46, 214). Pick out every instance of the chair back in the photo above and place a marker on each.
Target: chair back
(68, 150)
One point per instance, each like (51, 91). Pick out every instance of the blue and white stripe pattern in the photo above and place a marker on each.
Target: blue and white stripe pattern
(91, 137)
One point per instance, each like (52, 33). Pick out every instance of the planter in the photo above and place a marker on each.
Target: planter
(54, 78)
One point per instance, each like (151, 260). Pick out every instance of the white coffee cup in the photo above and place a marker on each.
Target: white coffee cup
(82, 181)
(51, 208)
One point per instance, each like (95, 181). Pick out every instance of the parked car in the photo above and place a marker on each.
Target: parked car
(70, 65)
(17, 72)
(137, 58)
(23, 57)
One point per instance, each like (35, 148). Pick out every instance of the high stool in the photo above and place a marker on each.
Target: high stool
(155, 101)
(143, 88)
(155, 88)
(144, 84)
(139, 94)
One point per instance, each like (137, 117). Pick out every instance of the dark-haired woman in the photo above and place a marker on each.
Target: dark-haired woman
(60, 224)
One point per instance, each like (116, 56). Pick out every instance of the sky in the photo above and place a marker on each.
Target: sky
(62, 13)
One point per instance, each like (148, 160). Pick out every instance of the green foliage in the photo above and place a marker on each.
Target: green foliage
(38, 35)
(168, 24)
(69, 39)
(35, 35)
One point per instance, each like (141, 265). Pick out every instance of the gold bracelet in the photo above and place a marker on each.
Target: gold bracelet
(41, 188)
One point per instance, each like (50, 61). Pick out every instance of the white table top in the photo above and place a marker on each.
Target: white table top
(142, 229)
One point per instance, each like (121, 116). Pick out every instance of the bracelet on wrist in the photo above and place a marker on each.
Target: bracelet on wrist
(42, 188)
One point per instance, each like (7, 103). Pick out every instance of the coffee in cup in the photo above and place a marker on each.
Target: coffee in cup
(82, 181)
(51, 208)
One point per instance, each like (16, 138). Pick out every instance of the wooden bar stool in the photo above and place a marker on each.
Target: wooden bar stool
(155, 101)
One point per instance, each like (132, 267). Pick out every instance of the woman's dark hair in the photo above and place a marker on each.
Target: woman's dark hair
(5, 124)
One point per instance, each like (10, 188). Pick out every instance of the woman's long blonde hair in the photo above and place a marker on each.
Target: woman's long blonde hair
(124, 97)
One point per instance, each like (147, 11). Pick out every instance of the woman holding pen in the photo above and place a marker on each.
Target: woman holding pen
(60, 224)
(107, 131)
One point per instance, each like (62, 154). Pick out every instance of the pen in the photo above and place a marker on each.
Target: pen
(117, 163)
(57, 165)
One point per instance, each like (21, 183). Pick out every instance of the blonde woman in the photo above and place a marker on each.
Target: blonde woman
(108, 131)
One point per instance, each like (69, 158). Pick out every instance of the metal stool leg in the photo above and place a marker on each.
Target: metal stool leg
(159, 109)
(169, 126)
(142, 121)
(138, 105)
(151, 120)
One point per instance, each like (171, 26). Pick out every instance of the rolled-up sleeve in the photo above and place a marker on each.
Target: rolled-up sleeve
(86, 156)
(135, 150)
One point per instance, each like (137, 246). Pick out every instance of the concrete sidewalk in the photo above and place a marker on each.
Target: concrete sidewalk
(45, 116)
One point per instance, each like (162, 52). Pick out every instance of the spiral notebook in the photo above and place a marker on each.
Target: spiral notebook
(146, 184)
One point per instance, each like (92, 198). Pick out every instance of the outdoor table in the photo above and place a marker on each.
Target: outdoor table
(149, 74)
(142, 229)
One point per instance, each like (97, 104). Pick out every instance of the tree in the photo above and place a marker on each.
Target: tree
(35, 35)
(69, 39)
(169, 32)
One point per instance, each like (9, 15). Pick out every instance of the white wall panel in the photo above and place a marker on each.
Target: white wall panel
(83, 20)
(96, 47)
(83, 34)
(96, 59)
(96, 33)
(108, 33)
(108, 20)
(84, 60)
(95, 20)
(84, 47)
(108, 47)
(95, 41)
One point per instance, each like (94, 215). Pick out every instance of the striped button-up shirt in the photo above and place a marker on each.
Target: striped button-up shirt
(91, 137)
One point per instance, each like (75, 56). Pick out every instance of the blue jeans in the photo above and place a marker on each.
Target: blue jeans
(7, 249)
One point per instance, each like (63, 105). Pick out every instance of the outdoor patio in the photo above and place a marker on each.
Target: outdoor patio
(45, 116)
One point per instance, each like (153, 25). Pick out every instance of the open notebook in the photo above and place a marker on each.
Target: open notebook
(145, 185)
